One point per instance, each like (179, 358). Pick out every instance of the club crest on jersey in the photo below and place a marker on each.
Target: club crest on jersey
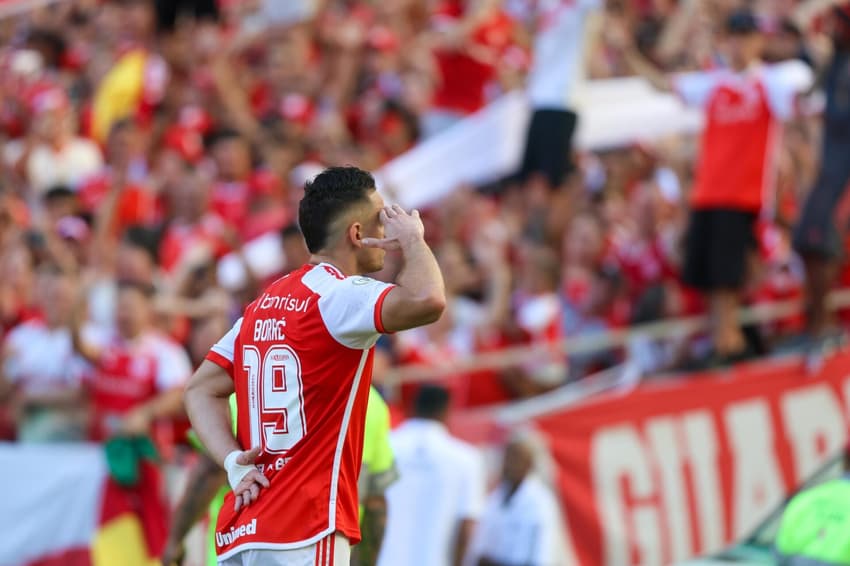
(287, 303)
(269, 329)
(225, 538)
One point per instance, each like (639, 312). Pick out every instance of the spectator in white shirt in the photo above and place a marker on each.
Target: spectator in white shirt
(54, 154)
(521, 524)
(40, 366)
(433, 506)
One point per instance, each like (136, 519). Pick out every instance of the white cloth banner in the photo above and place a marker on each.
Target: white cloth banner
(51, 499)
(489, 144)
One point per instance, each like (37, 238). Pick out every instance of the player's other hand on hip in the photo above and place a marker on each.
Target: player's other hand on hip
(400, 229)
(244, 477)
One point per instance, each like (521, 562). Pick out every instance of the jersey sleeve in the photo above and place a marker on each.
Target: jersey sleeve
(351, 311)
(783, 83)
(695, 89)
(173, 367)
(222, 351)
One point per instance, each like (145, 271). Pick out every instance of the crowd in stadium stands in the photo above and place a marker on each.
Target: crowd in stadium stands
(140, 143)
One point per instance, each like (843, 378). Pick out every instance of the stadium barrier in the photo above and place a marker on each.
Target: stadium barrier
(603, 341)
(678, 468)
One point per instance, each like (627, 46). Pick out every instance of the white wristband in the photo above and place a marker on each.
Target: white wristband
(236, 472)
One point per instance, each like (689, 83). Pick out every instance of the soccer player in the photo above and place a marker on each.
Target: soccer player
(207, 488)
(300, 361)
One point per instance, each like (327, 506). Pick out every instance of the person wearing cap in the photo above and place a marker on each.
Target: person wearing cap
(816, 237)
(744, 103)
(815, 527)
(433, 506)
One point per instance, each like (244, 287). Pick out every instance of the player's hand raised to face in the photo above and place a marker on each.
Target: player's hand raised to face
(400, 229)
(248, 489)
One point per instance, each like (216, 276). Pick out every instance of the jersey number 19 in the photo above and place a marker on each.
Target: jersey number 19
(275, 398)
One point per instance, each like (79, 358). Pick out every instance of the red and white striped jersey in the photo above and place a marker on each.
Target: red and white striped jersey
(301, 362)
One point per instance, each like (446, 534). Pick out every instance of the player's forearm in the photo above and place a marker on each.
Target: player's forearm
(210, 420)
(420, 276)
(209, 417)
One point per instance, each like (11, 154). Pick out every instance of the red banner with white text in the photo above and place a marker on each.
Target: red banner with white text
(679, 468)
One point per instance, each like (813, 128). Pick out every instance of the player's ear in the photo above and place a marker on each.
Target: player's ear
(355, 234)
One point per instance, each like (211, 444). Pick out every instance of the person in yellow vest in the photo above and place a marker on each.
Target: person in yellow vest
(208, 485)
(815, 528)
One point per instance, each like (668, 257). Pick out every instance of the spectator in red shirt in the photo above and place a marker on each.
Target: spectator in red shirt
(744, 105)
(192, 228)
(469, 37)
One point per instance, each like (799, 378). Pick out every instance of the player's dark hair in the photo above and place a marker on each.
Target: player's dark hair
(332, 193)
(431, 402)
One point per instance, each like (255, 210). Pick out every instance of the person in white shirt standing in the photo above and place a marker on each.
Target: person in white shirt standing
(522, 523)
(433, 506)
(565, 32)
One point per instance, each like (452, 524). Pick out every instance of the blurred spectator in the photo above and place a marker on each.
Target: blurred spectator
(193, 230)
(52, 153)
(744, 104)
(521, 523)
(138, 373)
(438, 497)
(539, 315)
(816, 236)
(136, 82)
(199, 123)
(41, 365)
(468, 38)
(566, 32)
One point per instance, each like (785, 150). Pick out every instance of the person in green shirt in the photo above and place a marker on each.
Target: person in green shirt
(207, 487)
(815, 527)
